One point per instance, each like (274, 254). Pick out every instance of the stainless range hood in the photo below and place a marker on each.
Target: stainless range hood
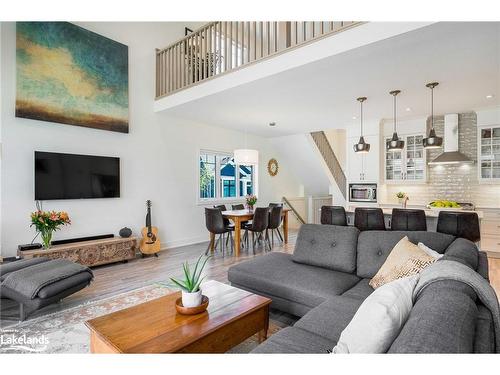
(451, 155)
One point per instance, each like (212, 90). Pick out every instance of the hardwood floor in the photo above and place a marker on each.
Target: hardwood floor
(117, 278)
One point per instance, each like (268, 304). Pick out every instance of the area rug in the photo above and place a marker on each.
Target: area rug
(65, 331)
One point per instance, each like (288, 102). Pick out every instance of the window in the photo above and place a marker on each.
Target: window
(221, 178)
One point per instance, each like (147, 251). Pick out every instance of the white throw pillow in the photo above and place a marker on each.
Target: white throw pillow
(429, 251)
(379, 319)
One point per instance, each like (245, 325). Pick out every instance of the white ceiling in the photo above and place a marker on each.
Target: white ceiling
(463, 56)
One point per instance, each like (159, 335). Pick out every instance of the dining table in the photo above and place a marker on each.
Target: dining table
(237, 216)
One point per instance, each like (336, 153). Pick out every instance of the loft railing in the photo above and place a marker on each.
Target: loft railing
(331, 160)
(220, 47)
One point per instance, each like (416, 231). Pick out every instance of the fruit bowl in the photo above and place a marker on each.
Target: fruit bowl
(444, 205)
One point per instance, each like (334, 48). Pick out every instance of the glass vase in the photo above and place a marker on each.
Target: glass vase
(46, 239)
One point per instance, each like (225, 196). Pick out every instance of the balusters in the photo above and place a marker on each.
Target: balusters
(222, 46)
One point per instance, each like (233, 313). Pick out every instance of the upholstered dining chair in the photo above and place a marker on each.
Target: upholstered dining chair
(274, 223)
(214, 222)
(259, 226)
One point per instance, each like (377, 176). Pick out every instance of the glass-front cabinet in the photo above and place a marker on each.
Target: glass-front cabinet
(408, 165)
(489, 153)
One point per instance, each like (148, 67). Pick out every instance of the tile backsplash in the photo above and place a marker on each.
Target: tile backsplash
(452, 182)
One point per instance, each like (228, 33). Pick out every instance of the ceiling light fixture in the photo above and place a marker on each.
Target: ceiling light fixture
(408, 109)
(489, 96)
(246, 156)
(432, 141)
(272, 124)
(361, 147)
(395, 144)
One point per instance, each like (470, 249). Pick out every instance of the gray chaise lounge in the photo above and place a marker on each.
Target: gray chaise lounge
(61, 286)
(326, 280)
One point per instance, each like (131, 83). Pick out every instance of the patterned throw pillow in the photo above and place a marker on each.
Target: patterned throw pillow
(406, 259)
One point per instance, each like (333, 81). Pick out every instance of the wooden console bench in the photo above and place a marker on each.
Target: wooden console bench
(89, 253)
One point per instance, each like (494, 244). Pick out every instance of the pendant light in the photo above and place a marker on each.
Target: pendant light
(432, 141)
(361, 147)
(395, 144)
(246, 156)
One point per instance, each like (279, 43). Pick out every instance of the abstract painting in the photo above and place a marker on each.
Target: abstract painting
(70, 75)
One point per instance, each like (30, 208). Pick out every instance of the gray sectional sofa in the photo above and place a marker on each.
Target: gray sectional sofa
(326, 280)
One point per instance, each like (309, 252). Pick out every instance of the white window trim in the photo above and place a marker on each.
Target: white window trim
(218, 199)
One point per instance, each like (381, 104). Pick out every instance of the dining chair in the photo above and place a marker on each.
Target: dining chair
(243, 223)
(274, 223)
(214, 222)
(259, 226)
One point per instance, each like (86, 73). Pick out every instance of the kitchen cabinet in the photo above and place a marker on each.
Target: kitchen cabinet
(363, 167)
(490, 232)
(409, 165)
(489, 153)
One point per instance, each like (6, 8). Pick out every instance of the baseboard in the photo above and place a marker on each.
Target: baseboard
(184, 242)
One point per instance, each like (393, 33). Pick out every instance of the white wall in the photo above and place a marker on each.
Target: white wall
(158, 156)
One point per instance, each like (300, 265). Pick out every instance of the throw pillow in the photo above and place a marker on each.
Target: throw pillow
(379, 319)
(406, 259)
(429, 251)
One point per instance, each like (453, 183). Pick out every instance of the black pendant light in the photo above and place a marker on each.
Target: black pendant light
(432, 141)
(361, 147)
(395, 144)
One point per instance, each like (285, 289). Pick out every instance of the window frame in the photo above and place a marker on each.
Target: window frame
(219, 199)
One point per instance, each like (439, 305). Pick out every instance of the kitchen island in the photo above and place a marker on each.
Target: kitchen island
(430, 214)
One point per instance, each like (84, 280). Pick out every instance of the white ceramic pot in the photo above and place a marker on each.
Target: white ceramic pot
(191, 299)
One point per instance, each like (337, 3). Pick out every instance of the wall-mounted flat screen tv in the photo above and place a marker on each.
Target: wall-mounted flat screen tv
(70, 176)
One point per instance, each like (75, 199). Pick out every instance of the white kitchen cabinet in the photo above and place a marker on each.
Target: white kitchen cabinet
(409, 165)
(363, 167)
(489, 153)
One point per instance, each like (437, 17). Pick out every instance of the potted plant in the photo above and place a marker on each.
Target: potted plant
(47, 222)
(190, 284)
(400, 195)
(251, 200)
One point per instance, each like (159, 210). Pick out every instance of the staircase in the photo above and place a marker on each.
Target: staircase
(331, 161)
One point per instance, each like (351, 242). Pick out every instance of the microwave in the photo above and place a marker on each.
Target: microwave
(363, 193)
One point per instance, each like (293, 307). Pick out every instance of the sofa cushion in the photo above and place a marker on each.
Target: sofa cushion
(330, 318)
(406, 259)
(379, 319)
(374, 247)
(443, 320)
(360, 291)
(295, 340)
(64, 284)
(327, 246)
(463, 251)
(276, 274)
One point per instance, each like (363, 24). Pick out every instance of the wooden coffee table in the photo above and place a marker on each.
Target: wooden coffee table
(233, 315)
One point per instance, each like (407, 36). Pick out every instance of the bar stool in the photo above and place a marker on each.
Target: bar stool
(459, 224)
(368, 218)
(406, 219)
(333, 215)
(214, 222)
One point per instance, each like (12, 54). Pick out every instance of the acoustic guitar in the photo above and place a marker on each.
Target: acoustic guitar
(150, 242)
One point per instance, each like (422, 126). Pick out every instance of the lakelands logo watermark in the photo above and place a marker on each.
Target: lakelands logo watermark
(14, 341)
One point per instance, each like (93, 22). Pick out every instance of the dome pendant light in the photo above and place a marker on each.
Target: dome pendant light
(246, 156)
(432, 141)
(361, 147)
(395, 144)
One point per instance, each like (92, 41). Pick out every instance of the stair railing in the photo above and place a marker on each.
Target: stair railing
(294, 211)
(331, 160)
